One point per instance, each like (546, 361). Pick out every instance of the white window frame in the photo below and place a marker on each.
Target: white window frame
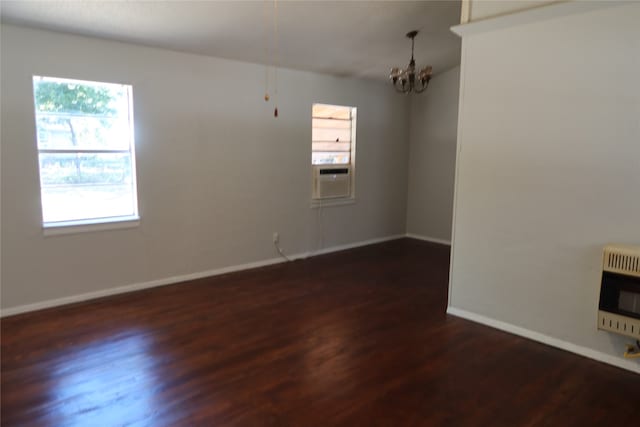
(101, 223)
(351, 198)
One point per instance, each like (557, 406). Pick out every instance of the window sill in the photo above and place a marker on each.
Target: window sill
(85, 226)
(327, 203)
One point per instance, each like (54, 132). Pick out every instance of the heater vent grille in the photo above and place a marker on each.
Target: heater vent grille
(620, 324)
(622, 260)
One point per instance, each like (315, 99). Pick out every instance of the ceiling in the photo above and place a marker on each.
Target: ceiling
(361, 39)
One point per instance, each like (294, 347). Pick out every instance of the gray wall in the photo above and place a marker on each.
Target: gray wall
(432, 157)
(548, 172)
(217, 174)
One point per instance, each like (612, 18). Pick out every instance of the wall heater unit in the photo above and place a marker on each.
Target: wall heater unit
(619, 308)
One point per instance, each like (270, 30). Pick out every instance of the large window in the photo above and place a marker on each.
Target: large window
(86, 151)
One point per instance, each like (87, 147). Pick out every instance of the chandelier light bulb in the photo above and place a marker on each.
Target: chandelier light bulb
(395, 73)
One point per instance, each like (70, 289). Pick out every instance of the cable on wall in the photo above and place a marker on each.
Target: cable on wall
(319, 227)
(281, 252)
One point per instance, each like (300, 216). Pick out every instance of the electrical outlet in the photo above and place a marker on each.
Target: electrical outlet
(276, 237)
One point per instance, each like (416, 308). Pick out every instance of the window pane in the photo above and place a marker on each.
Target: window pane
(322, 158)
(78, 114)
(81, 132)
(86, 186)
(331, 111)
(331, 123)
(331, 146)
(330, 135)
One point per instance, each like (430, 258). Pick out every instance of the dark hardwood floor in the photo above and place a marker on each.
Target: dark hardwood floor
(356, 338)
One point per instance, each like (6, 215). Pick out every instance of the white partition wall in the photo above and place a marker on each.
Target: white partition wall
(548, 169)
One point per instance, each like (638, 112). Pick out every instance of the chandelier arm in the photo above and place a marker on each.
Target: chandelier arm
(423, 88)
(400, 88)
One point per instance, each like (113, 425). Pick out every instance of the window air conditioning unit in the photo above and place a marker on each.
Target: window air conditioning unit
(331, 182)
(619, 308)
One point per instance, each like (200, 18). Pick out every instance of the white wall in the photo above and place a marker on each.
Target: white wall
(217, 174)
(432, 157)
(483, 9)
(548, 171)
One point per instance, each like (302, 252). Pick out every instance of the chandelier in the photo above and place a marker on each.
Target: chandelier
(405, 81)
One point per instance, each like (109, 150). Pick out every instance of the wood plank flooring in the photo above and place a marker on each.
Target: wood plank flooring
(356, 338)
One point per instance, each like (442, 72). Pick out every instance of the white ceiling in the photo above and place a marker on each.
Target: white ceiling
(347, 38)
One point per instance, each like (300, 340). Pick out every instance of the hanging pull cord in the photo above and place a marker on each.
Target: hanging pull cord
(276, 57)
(265, 39)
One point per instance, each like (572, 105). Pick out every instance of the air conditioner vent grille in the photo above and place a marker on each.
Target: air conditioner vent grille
(622, 260)
(331, 182)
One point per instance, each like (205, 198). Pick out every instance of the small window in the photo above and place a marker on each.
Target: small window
(86, 151)
(332, 133)
(333, 151)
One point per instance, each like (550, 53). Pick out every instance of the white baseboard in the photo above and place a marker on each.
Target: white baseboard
(629, 365)
(348, 246)
(183, 278)
(429, 239)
